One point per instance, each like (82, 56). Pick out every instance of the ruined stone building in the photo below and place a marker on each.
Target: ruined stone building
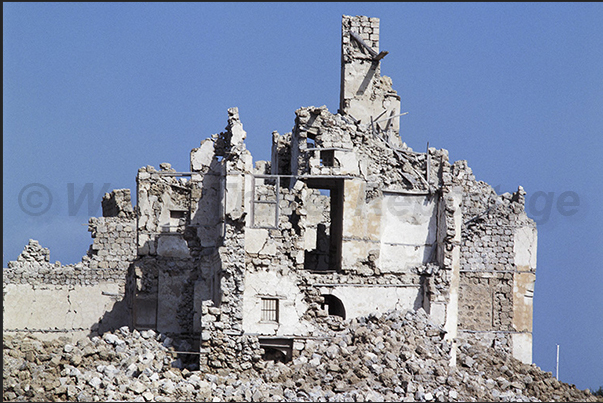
(344, 220)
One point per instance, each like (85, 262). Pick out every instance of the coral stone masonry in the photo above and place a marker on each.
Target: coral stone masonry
(251, 261)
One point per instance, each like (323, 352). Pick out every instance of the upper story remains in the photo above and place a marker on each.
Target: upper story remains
(345, 220)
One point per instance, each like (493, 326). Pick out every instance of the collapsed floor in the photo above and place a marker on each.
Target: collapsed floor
(393, 356)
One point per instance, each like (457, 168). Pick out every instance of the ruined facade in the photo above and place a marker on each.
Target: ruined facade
(246, 259)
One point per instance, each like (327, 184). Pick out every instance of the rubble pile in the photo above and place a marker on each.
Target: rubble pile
(33, 252)
(391, 356)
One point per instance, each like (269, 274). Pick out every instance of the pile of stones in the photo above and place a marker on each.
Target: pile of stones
(391, 356)
(34, 253)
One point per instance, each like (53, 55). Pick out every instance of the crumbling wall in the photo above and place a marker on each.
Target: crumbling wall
(180, 227)
(498, 259)
(345, 220)
(118, 203)
(385, 228)
(224, 346)
(166, 269)
(51, 299)
(365, 95)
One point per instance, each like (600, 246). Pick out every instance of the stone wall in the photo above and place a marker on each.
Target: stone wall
(345, 220)
(89, 296)
(118, 203)
(365, 95)
(498, 261)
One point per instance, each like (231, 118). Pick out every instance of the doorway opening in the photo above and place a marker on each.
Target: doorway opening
(324, 224)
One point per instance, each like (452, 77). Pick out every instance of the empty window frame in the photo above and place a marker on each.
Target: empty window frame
(311, 137)
(327, 158)
(269, 310)
(276, 349)
(265, 201)
(178, 220)
(177, 214)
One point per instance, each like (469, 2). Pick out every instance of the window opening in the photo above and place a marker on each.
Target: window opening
(177, 220)
(310, 139)
(265, 201)
(274, 354)
(269, 310)
(177, 214)
(327, 158)
(276, 349)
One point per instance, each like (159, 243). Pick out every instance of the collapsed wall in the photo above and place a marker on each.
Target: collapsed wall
(247, 260)
(392, 356)
(498, 264)
(50, 299)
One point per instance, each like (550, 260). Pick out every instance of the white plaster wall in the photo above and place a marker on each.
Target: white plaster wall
(522, 347)
(354, 75)
(362, 300)
(402, 258)
(524, 246)
(203, 156)
(234, 195)
(408, 231)
(523, 299)
(348, 162)
(291, 305)
(57, 307)
(206, 213)
(361, 223)
(354, 250)
(145, 208)
(255, 239)
(360, 220)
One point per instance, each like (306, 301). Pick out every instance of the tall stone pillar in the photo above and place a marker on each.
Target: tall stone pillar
(365, 94)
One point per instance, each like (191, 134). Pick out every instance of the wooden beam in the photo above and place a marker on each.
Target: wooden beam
(376, 56)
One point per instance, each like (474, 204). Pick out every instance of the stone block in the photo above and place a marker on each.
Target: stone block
(203, 156)
(172, 246)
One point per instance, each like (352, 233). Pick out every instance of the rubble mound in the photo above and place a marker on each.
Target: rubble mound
(391, 356)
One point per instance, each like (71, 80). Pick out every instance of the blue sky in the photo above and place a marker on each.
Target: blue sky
(92, 92)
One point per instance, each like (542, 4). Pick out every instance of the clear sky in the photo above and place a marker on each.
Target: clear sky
(92, 92)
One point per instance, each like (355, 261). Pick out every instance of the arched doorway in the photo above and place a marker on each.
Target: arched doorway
(333, 305)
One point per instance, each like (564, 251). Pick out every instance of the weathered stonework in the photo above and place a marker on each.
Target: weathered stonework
(50, 299)
(260, 260)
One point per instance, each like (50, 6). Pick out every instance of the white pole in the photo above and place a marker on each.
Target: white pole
(557, 372)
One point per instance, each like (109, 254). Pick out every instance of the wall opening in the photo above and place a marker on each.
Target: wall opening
(269, 310)
(276, 349)
(325, 228)
(178, 220)
(327, 158)
(265, 200)
(274, 354)
(333, 305)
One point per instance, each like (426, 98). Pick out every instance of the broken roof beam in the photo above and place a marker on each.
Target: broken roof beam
(376, 56)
